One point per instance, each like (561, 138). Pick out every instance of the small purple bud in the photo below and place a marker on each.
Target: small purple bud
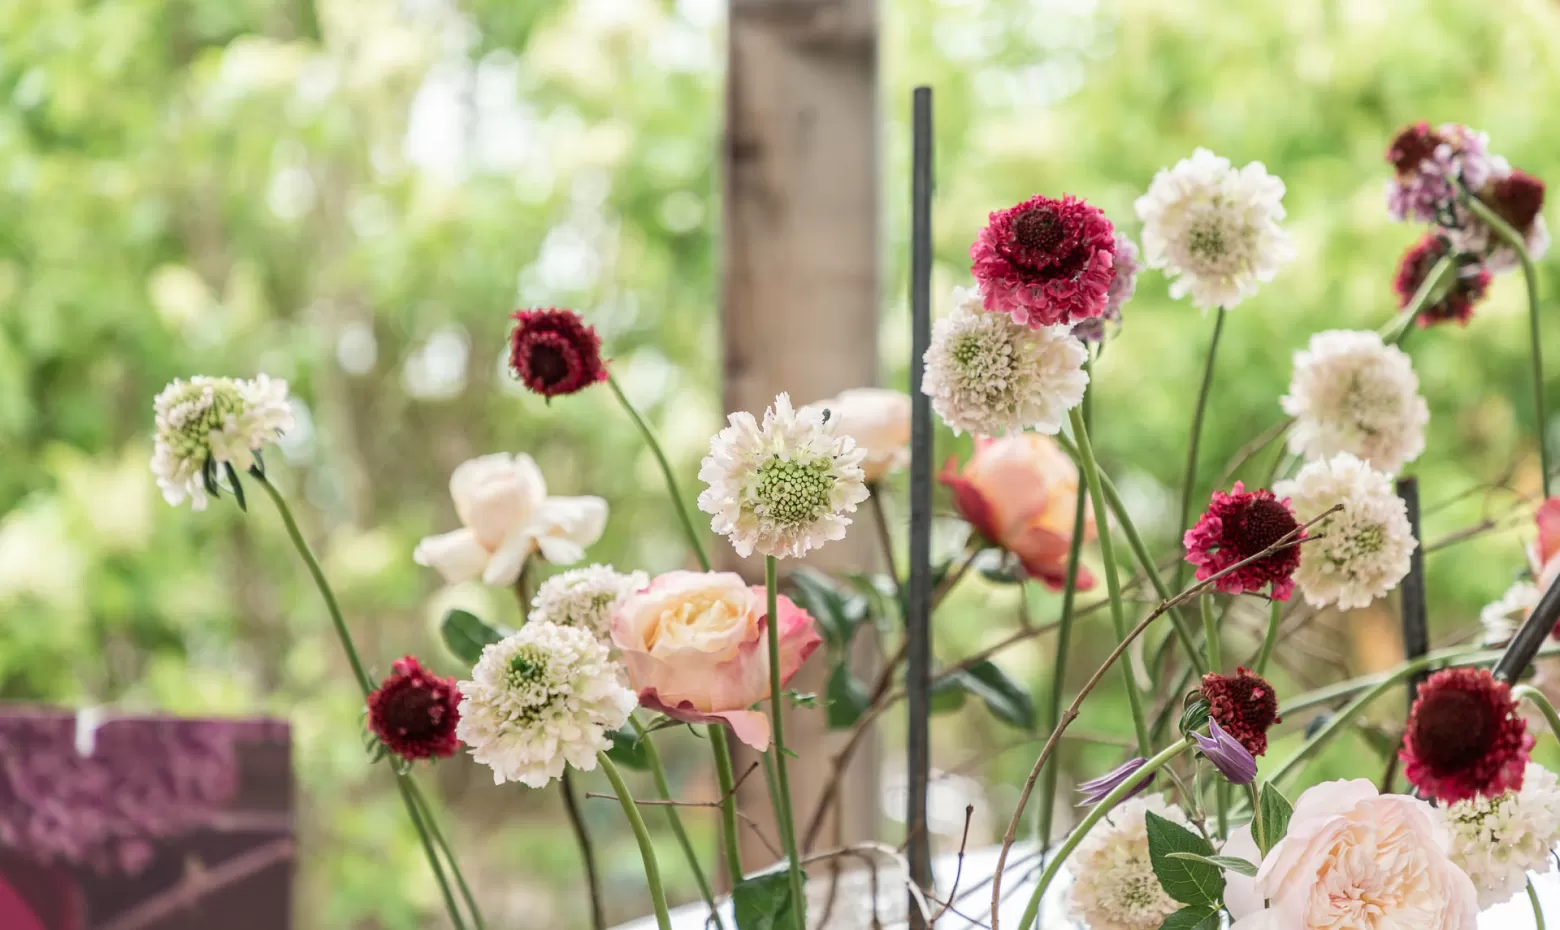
(1095, 790)
(1227, 754)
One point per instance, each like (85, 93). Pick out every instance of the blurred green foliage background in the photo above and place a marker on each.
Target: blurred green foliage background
(352, 194)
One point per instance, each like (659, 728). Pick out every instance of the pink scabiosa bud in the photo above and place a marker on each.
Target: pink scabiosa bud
(1465, 737)
(1245, 705)
(1457, 302)
(414, 712)
(1238, 526)
(553, 352)
(1046, 261)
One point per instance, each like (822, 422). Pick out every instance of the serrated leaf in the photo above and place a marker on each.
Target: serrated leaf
(1226, 863)
(1273, 824)
(1187, 881)
(1007, 701)
(848, 698)
(1196, 917)
(628, 750)
(465, 634)
(763, 902)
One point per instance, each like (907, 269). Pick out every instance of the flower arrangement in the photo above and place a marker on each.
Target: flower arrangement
(1196, 825)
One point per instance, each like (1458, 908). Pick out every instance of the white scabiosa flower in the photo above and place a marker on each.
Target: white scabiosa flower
(1363, 550)
(1498, 840)
(1353, 393)
(204, 424)
(585, 597)
(1114, 886)
(988, 375)
(781, 488)
(542, 698)
(1214, 229)
(1501, 618)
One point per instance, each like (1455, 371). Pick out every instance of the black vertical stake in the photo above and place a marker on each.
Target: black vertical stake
(918, 633)
(1416, 629)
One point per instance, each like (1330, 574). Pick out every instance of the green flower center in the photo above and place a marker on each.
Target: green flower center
(967, 351)
(794, 493)
(527, 666)
(198, 416)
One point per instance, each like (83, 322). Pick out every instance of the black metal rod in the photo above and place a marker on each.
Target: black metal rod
(918, 632)
(1416, 629)
(1534, 633)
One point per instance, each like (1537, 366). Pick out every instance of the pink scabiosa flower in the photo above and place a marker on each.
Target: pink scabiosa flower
(1457, 302)
(1429, 163)
(1245, 705)
(1046, 261)
(553, 352)
(414, 712)
(1465, 737)
(1123, 284)
(1236, 527)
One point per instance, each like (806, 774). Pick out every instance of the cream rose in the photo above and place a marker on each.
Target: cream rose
(506, 515)
(879, 420)
(1356, 859)
(696, 647)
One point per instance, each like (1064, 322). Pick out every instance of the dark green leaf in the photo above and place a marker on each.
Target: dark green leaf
(1194, 716)
(1274, 821)
(848, 698)
(465, 634)
(1227, 863)
(1187, 881)
(763, 902)
(628, 750)
(1197, 917)
(238, 489)
(947, 695)
(837, 613)
(1007, 701)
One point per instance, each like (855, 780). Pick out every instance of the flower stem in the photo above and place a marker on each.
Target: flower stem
(1189, 481)
(781, 787)
(333, 607)
(1211, 634)
(1538, 910)
(571, 807)
(1118, 617)
(726, 778)
(1538, 699)
(1275, 617)
(674, 820)
(663, 919)
(1059, 668)
(666, 472)
(1530, 277)
(444, 847)
(1032, 909)
(1397, 327)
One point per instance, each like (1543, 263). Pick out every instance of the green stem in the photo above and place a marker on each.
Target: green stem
(1538, 910)
(725, 777)
(1530, 277)
(1275, 617)
(1189, 482)
(1059, 668)
(1398, 327)
(1537, 698)
(333, 607)
(781, 788)
(1118, 617)
(674, 820)
(571, 807)
(444, 848)
(666, 472)
(1090, 819)
(1211, 634)
(663, 920)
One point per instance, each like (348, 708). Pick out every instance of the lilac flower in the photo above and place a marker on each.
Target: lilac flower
(1227, 754)
(1095, 791)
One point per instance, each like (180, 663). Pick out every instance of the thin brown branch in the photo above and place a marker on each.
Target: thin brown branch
(958, 872)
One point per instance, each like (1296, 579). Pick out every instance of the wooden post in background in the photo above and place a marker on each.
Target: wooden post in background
(800, 289)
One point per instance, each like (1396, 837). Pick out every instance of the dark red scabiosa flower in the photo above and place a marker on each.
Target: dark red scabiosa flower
(1517, 198)
(414, 712)
(1465, 737)
(1412, 146)
(1236, 527)
(1456, 304)
(553, 352)
(1046, 261)
(1245, 705)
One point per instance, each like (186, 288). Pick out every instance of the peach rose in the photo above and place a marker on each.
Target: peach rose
(1544, 553)
(879, 420)
(1353, 858)
(1019, 493)
(697, 649)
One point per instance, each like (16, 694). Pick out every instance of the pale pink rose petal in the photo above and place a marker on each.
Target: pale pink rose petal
(750, 726)
(1240, 893)
(457, 555)
(798, 637)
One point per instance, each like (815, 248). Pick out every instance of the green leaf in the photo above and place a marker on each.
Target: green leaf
(1227, 863)
(1274, 822)
(837, 613)
(763, 902)
(628, 750)
(465, 634)
(1007, 701)
(1196, 917)
(947, 695)
(1187, 881)
(847, 696)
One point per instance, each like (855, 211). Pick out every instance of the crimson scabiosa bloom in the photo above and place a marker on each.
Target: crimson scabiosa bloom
(553, 352)
(1245, 705)
(1236, 527)
(414, 712)
(1428, 163)
(1518, 198)
(1046, 261)
(1457, 302)
(1465, 738)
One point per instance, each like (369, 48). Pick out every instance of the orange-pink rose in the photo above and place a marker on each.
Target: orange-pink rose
(696, 647)
(1544, 553)
(1019, 492)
